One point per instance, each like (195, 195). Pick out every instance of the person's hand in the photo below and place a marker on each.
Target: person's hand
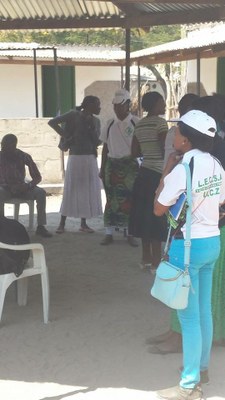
(173, 160)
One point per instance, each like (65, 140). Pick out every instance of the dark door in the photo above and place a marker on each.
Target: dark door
(66, 90)
(221, 75)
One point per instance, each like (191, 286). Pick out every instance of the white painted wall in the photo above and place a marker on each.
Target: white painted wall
(208, 73)
(86, 75)
(17, 98)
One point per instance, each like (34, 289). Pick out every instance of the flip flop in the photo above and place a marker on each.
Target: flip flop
(86, 229)
(60, 230)
(143, 265)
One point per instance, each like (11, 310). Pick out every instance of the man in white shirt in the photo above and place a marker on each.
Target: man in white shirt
(118, 169)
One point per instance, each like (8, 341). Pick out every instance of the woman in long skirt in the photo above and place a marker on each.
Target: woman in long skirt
(80, 131)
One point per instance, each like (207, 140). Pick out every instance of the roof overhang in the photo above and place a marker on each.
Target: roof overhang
(86, 14)
(206, 43)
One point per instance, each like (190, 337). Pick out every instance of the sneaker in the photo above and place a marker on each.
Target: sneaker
(42, 231)
(180, 393)
(108, 239)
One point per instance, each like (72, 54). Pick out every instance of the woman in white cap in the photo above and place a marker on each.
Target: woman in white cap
(118, 168)
(194, 140)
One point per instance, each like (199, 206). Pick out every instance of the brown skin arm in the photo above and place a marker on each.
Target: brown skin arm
(173, 160)
(103, 162)
(162, 138)
(135, 148)
(55, 124)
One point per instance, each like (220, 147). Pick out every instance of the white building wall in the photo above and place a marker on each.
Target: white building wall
(17, 98)
(208, 73)
(85, 76)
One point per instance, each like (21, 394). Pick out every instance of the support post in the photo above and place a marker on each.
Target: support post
(198, 74)
(35, 83)
(127, 79)
(139, 89)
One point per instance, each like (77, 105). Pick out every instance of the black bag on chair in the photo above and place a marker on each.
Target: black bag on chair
(13, 232)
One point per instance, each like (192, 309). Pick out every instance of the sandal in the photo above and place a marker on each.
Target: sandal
(60, 229)
(144, 265)
(86, 229)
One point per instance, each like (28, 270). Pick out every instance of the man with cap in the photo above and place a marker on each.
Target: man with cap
(118, 168)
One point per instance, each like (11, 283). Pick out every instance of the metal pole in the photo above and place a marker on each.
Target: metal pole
(35, 83)
(198, 74)
(58, 104)
(139, 89)
(58, 98)
(127, 79)
(121, 77)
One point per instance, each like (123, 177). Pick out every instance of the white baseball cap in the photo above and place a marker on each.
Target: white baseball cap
(121, 96)
(200, 121)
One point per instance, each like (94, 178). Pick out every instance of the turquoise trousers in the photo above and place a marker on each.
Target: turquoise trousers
(196, 319)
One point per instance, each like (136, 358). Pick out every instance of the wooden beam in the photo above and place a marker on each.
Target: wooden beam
(180, 55)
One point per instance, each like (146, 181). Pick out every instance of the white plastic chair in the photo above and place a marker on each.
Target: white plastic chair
(37, 266)
(16, 202)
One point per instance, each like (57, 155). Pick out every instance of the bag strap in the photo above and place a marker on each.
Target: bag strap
(187, 241)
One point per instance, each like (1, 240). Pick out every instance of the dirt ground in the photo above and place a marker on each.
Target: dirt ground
(101, 313)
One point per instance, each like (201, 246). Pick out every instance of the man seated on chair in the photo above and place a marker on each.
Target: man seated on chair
(12, 180)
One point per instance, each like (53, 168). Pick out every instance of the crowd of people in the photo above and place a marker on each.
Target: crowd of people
(142, 175)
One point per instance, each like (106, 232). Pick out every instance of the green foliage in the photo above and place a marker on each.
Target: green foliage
(113, 37)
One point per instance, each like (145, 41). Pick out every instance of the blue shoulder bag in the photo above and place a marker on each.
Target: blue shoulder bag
(172, 284)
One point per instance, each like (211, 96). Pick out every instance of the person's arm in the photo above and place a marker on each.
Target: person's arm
(34, 172)
(56, 122)
(103, 161)
(173, 160)
(162, 138)
(135, 148)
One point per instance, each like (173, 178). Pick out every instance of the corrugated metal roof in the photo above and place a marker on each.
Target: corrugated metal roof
(73, 53)
(171, 7)
(73, 14)
(207, 42)
(198, 39)
(35, 9)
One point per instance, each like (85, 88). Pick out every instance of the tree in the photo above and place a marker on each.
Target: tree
(112, 37)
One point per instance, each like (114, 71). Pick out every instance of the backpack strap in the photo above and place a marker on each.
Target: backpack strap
(112, 122)
(191, 166)
(108, 129)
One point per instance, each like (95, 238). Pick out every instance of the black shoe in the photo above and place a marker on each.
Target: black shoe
(42, 231)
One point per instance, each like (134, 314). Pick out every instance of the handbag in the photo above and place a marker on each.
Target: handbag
(172, 284)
